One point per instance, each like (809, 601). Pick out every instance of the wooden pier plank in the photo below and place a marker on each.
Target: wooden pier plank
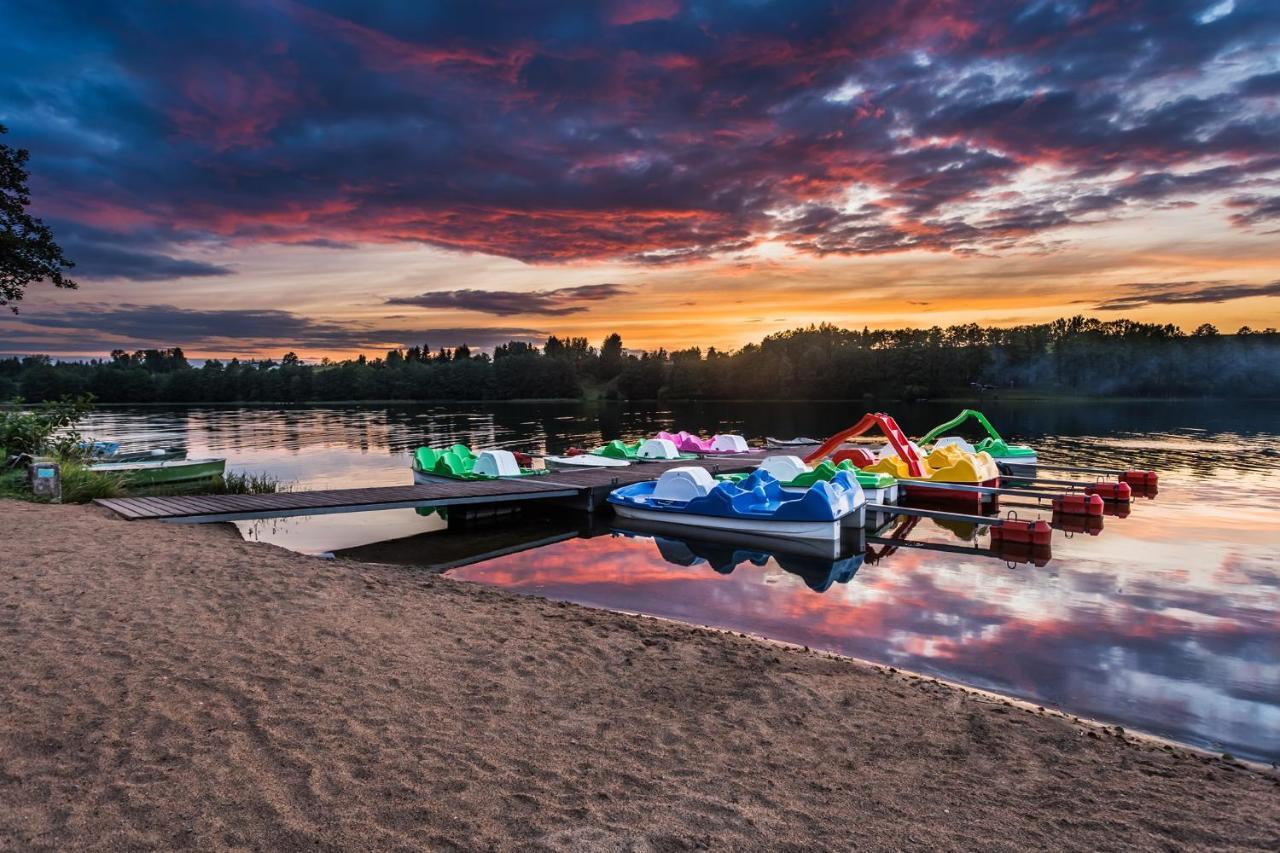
(128, 508)
(228, 507)
(151, 505)
(202, 502)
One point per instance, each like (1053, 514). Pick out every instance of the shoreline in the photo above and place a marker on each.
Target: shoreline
(1258, 765)
(176, 686)
(1264, 768)
(1038, 398)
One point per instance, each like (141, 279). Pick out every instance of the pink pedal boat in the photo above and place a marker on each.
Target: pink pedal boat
(688, 443)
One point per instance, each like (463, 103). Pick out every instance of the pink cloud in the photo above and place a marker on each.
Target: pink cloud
(635, 11)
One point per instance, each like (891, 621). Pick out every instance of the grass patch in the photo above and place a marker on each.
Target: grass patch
(246, 483)
(13, 484)
(79, 485)
(230, 483)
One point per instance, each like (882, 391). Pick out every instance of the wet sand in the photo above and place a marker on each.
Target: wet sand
(172, 687)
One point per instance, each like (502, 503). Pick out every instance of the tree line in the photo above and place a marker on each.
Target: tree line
(1077, 355)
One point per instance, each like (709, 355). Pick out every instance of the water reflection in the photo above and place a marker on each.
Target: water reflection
(818, 563)
(1188, 653)
(327, 445)
(880, 547)
(327, 534)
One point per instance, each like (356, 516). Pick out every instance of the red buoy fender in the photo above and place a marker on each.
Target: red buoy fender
(1015, 530)
(1110, 491)
(1140, 479)
(1078, 504)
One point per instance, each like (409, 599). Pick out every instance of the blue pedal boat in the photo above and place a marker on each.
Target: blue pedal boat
(691, 497)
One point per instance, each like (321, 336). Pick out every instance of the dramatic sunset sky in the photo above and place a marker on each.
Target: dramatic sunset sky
(330, 176)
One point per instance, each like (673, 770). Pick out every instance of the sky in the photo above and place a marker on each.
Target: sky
(327, 177)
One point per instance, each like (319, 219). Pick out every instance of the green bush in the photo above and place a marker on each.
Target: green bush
(48, 428)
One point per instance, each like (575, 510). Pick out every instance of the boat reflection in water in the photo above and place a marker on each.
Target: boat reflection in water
(461, 540)
(899, 528)
(822, 564)
(819, 563)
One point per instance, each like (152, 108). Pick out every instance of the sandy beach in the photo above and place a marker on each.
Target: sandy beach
(172, 687)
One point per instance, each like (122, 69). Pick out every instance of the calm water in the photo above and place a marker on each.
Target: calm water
(1164, 621)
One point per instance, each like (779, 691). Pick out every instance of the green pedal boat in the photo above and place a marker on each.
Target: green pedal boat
(1010, 458)
(795, 475)
(460, 463)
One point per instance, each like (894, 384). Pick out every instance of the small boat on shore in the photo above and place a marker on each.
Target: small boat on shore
(109, 451)
(162, 471)
(99, 449)
(691, 497)
(460, 463)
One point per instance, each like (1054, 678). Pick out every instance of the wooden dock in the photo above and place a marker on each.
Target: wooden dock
(205, 508)
(586, 489)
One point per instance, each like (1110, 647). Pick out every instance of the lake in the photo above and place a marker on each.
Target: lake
(1165, 621)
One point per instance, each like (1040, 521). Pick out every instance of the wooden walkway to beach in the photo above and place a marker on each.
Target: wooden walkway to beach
(586, 489)
(202, 508)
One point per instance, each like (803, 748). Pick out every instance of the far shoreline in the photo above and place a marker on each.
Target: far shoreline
(861, 401)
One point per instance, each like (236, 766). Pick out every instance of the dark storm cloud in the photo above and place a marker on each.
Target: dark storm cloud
(98, 254)
(504, 303)
(1184, 293)
(1255, 209)
(105, 262)
(1262, 85)
(106, 326)
(653, 130)
(321, 243)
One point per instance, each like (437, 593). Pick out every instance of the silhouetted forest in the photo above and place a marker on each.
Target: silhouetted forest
(1071, 356)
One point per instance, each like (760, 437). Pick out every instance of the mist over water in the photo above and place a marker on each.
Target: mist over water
(1166, 621)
